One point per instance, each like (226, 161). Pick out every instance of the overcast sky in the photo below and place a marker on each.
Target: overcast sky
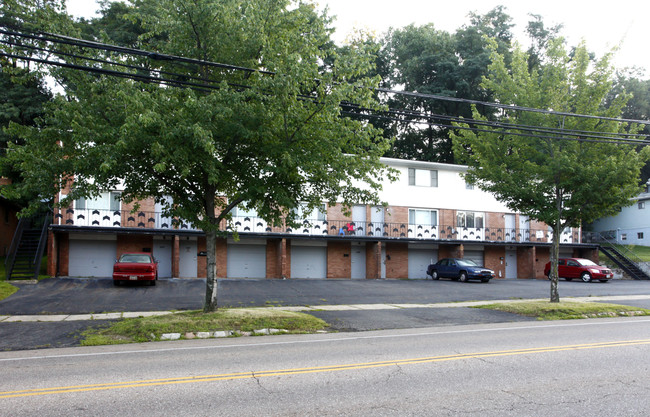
(601, 24)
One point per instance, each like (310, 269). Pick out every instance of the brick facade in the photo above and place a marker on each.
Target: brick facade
(339, 261)
(397, 260)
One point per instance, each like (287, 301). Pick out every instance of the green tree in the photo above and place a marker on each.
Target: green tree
(270, 140)
(632, 82)
(426, 60)
(558, 181)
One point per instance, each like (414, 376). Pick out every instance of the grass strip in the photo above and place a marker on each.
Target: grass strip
(147, 329)
(6, 289)
(566, 310)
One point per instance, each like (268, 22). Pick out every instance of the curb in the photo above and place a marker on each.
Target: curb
(343, 307)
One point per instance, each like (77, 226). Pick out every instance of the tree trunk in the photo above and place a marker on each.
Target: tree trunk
(555, 254)
(211, 280)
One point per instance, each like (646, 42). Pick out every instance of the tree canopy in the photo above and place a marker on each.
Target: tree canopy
(269, 139)
(561, 180)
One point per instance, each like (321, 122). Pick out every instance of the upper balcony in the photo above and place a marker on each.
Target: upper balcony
(313, 228)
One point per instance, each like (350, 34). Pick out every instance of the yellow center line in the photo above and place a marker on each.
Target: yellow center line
(316, 369)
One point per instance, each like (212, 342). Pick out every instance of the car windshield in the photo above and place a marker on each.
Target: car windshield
(466, 262)
(133, 258)
(586, 262)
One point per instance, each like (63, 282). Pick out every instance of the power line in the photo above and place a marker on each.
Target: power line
(205, 85)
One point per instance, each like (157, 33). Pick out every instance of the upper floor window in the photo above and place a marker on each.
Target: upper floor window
(469, 219)
(423, 217)
(641, 205)
(469, 185)
(241, 211)
(318, 214)
(423, 177)
(108, 200)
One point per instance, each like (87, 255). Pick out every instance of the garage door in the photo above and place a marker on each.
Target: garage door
(246, 261)
(419, 260)
(476, 256)
(92, 258)
(308, 261)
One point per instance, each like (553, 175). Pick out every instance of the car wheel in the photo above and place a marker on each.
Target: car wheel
(463, 277)
(116, 282)
(585, 277)
(152, 283)
(434, 275)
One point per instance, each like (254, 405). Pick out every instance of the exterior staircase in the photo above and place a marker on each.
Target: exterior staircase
(27, 247)
(624, 262)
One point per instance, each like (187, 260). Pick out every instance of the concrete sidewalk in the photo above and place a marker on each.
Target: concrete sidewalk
(344, 307)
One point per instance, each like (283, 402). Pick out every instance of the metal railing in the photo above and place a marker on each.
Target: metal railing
(11, 253)
(315, 227)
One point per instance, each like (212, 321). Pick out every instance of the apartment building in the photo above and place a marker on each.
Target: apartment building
(430, 214)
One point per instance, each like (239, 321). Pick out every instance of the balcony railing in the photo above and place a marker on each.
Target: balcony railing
(340, 228)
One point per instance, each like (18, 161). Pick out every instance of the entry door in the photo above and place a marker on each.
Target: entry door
(359, 219)
(187, 259)
(358, 260)
(511, 264)
(162, 251)
(524, 228)
(510, 232)
(377, 220)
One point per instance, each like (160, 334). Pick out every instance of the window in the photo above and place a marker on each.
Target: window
(639, 235)
(318, 214)
(241, 211)
(469, 219)
(108, 200)
(623, 236)
(469, 186)
(423, 177)
(641, 205)
(115, 200)
(423, 217)
(80, 204)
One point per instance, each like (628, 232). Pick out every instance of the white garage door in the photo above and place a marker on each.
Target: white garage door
(419, 260)
(92, 258)
(308, 261)
(246, 261)
(476, 256)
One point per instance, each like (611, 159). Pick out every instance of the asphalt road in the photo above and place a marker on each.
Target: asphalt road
(571, 368)
(77, 296)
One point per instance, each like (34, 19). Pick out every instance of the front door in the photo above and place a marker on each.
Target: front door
(511, 264)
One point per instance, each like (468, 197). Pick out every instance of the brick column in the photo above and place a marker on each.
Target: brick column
(373, 260)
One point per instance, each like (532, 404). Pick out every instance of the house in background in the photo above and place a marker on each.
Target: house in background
(631, 226)
(431, 213)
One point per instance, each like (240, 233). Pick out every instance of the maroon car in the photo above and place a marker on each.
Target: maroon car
(135, 266)
(586, 270)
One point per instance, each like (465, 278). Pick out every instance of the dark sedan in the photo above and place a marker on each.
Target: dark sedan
(459, 270)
